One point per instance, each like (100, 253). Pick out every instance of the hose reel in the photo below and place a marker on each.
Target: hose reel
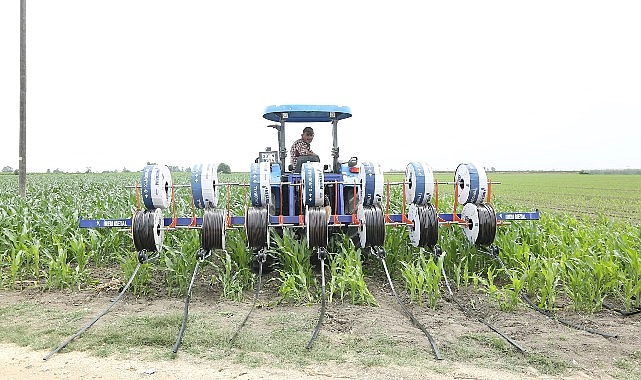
(212, 232)
(312, 184)
(371, 228)
(313, 193)
(424, 233)
(480, 228)
(419, 183)
(471, 181)
(316, 218)
(204, 189)
(156, 185)
(148, 230)
(419, 188)
(371, 184)
(256, 221)
(259, 186)
(479, 218)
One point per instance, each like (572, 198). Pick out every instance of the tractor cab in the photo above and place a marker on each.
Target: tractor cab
(340, 178)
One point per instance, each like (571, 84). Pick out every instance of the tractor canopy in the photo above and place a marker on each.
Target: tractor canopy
(304, 113)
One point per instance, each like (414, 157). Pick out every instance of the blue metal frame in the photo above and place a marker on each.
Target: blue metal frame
(293, 219)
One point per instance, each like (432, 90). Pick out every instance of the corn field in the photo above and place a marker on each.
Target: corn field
(586, 248)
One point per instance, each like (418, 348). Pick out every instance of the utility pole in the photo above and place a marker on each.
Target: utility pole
(22, 149)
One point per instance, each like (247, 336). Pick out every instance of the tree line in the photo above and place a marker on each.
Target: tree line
(222, 168)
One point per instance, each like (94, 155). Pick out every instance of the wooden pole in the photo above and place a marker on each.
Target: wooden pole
(22, 150)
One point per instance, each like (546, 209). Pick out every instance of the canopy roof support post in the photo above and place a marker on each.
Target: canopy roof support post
(282, 149)
(335, 145)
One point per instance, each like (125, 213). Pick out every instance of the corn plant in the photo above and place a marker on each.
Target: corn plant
(177, 270)
(227, 276)
(140, 284)
(511, 292)
(421, 278)
(297, 281)
(233, 267)
(60, 273)
(236, 242)
(461, 272)
(398, 250)
(629, 278)
(347, 279)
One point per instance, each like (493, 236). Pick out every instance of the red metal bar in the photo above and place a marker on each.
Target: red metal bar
(137, 196)
(403, 213)
(281, 218)
(193, 221)
(174, 218)
(387, 195)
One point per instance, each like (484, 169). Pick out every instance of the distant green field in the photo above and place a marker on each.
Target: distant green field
(617, 196)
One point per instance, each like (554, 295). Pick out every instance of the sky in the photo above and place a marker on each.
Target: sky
(510, 85)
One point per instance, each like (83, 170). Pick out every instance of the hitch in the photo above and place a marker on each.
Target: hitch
(261, 256)
(379, 252)
(322, 253)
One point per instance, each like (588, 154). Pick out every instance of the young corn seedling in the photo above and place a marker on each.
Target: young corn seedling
(550, 274)
(398, 251)
(236, 243)
(228, 276)
(433, 271)
(59, 271)
(347, 277)
(296, 275)
(629, 271)
(140, 283)
(233, 270)
(422, 277)
(78, 250)
(512, 292)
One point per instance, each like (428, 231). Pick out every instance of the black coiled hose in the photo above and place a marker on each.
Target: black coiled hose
(317, 227)
(487, 224)
(486, 219)
(372, 226)
(212, 232)
(429, 225)
(136, 232)
(256, 220)
(142, 229)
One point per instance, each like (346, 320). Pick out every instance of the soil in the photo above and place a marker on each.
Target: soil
(587, 356)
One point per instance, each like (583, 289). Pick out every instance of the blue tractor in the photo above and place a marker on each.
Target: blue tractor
(339, 180)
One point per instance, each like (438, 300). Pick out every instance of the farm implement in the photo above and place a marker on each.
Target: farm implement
(316, 201)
